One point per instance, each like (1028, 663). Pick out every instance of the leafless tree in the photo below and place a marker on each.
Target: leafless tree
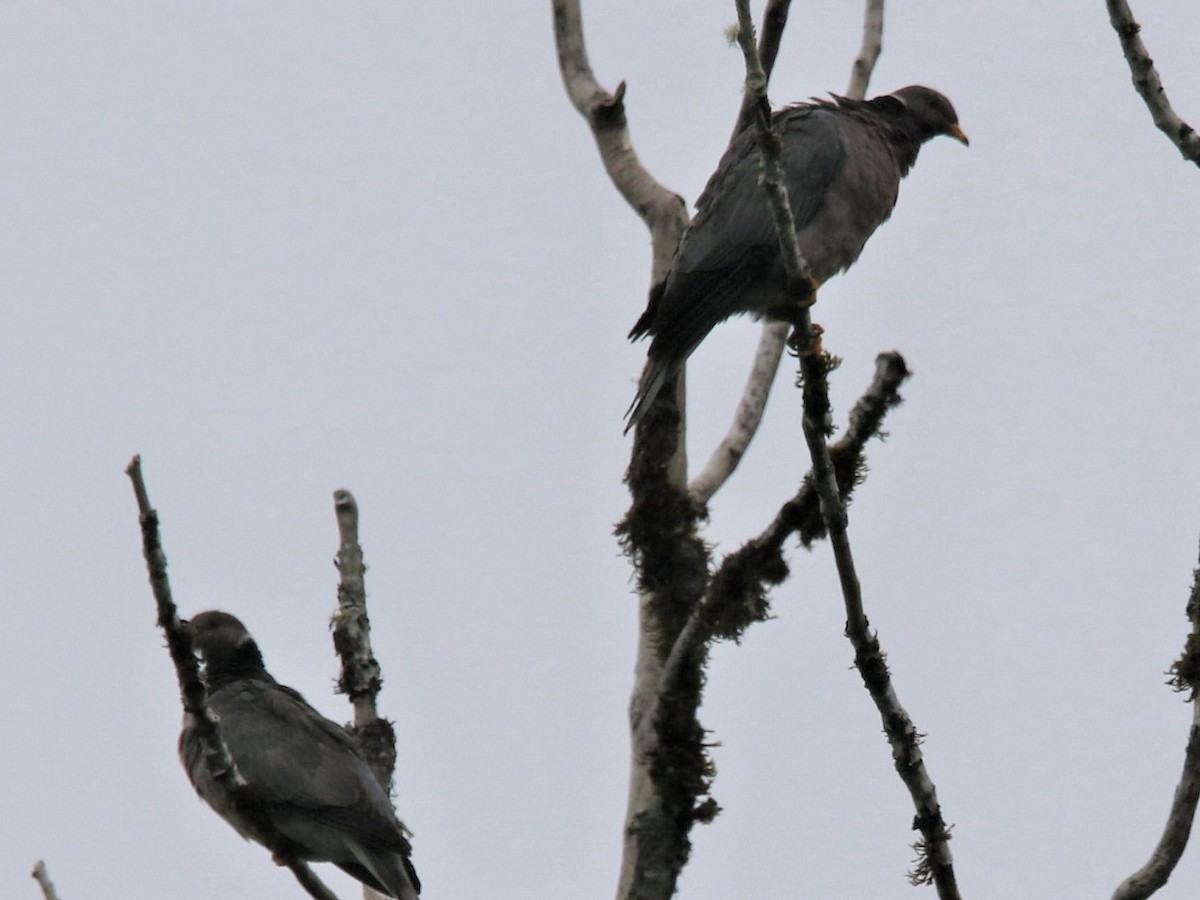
(688, 600)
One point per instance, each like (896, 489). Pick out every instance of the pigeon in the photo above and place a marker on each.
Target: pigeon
(305, 773)
(843, 161)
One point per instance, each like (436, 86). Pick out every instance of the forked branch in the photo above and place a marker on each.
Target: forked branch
(194, 694)
(935, 863)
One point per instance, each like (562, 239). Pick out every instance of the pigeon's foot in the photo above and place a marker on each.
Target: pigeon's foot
(810, 347)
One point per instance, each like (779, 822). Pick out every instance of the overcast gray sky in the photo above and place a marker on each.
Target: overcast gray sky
(280, 249)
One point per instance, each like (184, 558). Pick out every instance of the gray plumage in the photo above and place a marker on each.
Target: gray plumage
(843, 161)
(304, 772)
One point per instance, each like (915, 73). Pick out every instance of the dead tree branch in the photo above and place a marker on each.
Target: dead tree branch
(868, 53)
(179, 643)
(42, 877)
(737, 593)
(723, 461)
(1148, 84)
(775, 17)
(748, 416)
(800, 280)
(725, 458)
(194, 695)
(361, 678)
(663, 211)
(935, 864)
(660, 530)
(308, 880)
(1185, 676)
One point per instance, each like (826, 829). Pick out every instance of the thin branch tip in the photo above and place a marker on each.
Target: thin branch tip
(42, 877)
(1148, 83)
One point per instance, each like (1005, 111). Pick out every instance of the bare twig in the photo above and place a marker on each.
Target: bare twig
(195, 696)
(775, 17)
(724, 460)
(309, 881)
(737, 593)
(748, 416)
(868, 54)
(1148, 84)
(800, 283)
(663, 211)
(1186, 677)
(935, 864)
(42, 877)
(361, 678)
(179, 643)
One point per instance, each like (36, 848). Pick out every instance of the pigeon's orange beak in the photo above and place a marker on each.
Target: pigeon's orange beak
(958, 134)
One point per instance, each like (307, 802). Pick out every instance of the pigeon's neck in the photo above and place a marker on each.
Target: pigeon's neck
(889, 119)
(237, 663)
(905, 139)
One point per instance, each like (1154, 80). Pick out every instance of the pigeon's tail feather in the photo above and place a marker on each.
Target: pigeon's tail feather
(654, 376)
(390, 873)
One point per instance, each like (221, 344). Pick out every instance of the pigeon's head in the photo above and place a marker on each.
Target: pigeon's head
(931, 111)
(224, 644)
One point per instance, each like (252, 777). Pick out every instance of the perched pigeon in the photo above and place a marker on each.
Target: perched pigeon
(306, 773)
(843, 160)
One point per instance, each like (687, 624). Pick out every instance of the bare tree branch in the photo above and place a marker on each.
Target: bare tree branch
(800, 283)
(308, 879)
(663, 211)
(725, 459)
(361, 678)
(868, 54)
(935, 864)
(747, 417)
(657, 477)
(179, 644)
(195, 696)
(737, 593)
(42, 877)
(1148, 84)
(669, 767)
(1185, 677)
(775, 17)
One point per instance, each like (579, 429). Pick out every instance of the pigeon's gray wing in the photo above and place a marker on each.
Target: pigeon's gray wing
(314, 783)
(729, 260)
(730, 250)
(293, 755)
